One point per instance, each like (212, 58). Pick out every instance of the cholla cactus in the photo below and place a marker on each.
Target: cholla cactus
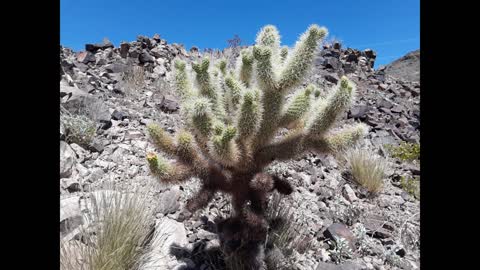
(233, 117)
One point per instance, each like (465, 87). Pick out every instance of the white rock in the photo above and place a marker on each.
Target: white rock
(82, 170)
(70, 215)
(167, 233)
(349, 194)
(67, 160)
(80, 152)
(132, 171)
(142, 145)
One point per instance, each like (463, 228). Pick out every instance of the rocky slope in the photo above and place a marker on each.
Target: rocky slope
(103, 82)
(406, 68)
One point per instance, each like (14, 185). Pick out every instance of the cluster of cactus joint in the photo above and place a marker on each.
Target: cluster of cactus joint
(233, 117)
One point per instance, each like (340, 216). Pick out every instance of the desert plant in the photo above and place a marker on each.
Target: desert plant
(134, 79)
(121, 224)
(233, 117)
(79, 129)
(411, 185)
(367, 168)
(405, 151)
(341, 249)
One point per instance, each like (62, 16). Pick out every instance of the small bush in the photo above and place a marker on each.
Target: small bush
(121, 223)
(405, 151)
(367, 169)
(79, 129)
(411, 185)
(341, 250)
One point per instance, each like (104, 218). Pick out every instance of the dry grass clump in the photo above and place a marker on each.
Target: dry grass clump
(367, 168)
(120, 224)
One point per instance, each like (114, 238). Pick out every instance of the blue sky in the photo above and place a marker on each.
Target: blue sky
(390, 27)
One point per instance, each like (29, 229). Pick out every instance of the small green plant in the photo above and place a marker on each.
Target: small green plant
(405, 151)
(360, 233)
(411, 185)
(367, 169)
(79, 129)
(341, 250)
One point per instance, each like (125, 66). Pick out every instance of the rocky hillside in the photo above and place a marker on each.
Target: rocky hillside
(109, 94)
(406, 68)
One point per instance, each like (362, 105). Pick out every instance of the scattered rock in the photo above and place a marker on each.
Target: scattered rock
(145, 57)
(331, 78)
(98, 46)
(349, 194)
(86, 57)
(70, 215)
(168, 104)
(71, 184)
(331, 266)
(168, 233)
(118, 115)
(67, 160)
(168, 201)
(338, 230)
(359, 111)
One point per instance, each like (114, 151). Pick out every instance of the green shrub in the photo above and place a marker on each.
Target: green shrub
(79, 129)
(405, 151)
(411, 185)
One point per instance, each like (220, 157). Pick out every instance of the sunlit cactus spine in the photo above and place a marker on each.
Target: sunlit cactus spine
(233, 118)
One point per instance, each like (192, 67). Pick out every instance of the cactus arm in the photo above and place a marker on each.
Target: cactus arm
(207, 87)
(168, 173)
(224, 148)
(330, 109)
(264, 68)
(272, 103)
(200, 199)
(249, 115)
(302, 57)
(235, 90)
(298, 107)
(162, 141)
(245, 67)
(222, 66)
(283, 54)
(338, 141)
(182, 81)
(269, 37)
(286, 148)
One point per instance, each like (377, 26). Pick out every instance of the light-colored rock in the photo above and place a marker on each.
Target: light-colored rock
(70, 215)
(141, 145)
(67, 160)
(168, 201)
(132, 171)
(80, 152)
(167, 233)
(349, 194)
(71, 184)
(160, 70)
(82, 170)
